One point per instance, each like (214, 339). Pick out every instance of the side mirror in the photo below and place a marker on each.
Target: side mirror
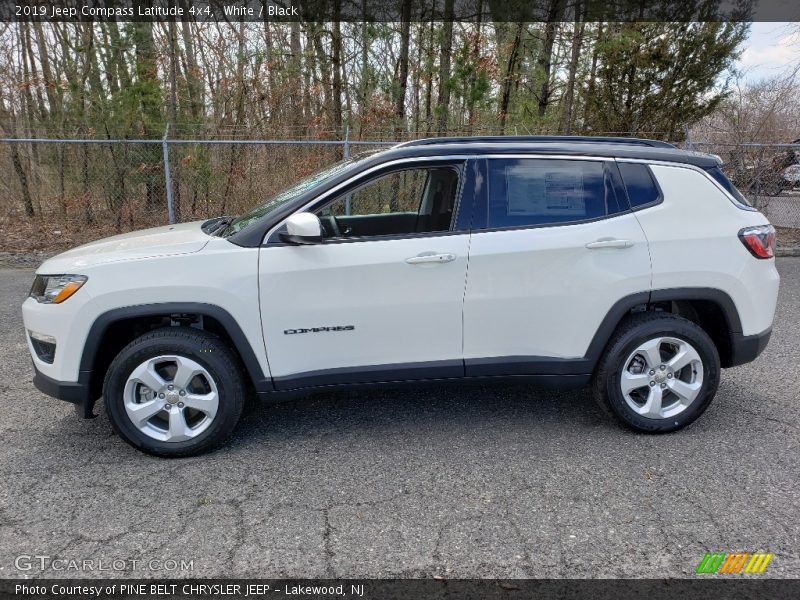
(302, 228)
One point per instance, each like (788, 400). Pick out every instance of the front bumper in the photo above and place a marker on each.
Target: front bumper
(746, 348)
(74, 392)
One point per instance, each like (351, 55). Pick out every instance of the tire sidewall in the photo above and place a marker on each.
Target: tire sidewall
(228, 388)
(675, 328)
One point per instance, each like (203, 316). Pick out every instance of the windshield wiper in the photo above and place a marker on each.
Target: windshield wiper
(217, 226)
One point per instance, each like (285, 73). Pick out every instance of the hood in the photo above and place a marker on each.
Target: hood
(184, 238)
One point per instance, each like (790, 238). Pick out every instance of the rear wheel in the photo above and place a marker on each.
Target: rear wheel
(175, 391)
(659, 373)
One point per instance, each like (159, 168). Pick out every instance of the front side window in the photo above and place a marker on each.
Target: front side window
(531, 191)
(408, 201)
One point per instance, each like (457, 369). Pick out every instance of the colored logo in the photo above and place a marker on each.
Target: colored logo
(734, 562)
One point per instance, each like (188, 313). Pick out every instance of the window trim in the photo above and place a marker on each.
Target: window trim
(458, 162)
(652, 203)
(484, 210)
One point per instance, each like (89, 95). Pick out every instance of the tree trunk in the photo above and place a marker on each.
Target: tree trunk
(35, 82)
(508, 80)
(336, 67)
(49, 82)
(416, 84)
(294, 76)
(150, 112)
(569, 94)
(593, 69)
(118, 56)
(474, 56)
(429, 83)
(194, 86)
(444, 68)
(173, 116)
(364, 91)
(402, 70)
(546, 57)
(27, 203)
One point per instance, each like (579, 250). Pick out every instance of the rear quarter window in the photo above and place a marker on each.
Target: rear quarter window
(639, 183)
(723, 180)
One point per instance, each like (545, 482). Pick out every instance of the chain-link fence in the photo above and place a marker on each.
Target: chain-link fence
(56, 193)
(767, 174)
(132, 183)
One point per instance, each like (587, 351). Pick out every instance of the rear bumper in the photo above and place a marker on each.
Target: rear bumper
(746, 348)
(74, 392)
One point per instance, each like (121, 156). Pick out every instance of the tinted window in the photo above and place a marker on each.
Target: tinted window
(403, 202)
(639, 183)
(532, 191)
(720, 177)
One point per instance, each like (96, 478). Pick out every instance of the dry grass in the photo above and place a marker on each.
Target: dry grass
(55, 233)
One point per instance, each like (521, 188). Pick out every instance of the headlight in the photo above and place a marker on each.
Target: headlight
(54, 289)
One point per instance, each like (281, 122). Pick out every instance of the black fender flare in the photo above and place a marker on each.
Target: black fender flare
(623, 306)
(261, 382)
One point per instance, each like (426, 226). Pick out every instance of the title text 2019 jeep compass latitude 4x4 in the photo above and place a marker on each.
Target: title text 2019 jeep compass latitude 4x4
(628, 264)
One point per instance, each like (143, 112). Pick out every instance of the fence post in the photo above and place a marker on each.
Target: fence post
(348, 201)
(689, 143)
(168, 177)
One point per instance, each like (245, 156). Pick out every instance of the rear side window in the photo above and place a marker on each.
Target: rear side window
(532, 191)
(723, 180)
(639, 183)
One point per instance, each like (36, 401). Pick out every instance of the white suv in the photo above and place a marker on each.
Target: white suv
(628, 264)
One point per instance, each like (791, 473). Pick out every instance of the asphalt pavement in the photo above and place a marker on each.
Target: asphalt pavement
(469, 481)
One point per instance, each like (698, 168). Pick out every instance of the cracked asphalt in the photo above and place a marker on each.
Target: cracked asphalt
(466, 481)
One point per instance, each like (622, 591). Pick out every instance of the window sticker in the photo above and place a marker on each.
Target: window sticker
(544, 190)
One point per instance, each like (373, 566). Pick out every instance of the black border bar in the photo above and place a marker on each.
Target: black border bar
(707, 587)
(390, 10)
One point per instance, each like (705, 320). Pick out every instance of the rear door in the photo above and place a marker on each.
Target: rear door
(554, 248)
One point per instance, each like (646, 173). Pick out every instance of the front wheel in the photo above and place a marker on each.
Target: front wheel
(660, 373)
(175, 391)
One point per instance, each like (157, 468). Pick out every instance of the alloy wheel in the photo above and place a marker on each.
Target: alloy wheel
(662, 377)
(171, 398)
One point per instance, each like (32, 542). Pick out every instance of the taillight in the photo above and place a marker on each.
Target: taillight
(759, 240)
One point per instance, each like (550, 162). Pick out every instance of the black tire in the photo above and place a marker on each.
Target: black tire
(633, 332)
(199, 346)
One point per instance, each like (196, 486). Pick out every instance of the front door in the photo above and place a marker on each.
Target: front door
(380, 299)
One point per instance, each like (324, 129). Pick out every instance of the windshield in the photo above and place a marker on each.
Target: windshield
(289, 194)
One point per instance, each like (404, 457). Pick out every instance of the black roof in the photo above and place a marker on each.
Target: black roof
(634, 148)
(505, 139)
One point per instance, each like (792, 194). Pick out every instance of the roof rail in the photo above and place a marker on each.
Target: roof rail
(510, 139)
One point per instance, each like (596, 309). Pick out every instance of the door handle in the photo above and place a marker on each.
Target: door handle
(599, 244)
(430, 257)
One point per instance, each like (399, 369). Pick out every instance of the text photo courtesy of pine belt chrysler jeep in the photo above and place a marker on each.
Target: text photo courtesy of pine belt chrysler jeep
(624, 264)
